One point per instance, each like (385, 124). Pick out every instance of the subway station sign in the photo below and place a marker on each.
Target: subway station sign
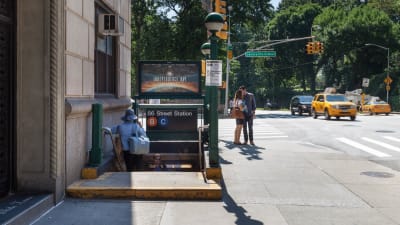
(171, 119)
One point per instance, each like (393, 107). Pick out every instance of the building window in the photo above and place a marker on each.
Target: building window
(105, 60)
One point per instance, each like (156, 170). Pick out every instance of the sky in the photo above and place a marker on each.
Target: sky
(275, 3)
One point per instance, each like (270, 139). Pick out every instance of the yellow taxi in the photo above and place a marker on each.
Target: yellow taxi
(333, 105)
(376, 106)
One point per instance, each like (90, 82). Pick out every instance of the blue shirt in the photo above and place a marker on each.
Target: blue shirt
(126, 130)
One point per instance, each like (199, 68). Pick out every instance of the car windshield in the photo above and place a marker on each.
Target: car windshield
(377, 102)
(305, 98)
(336, 98)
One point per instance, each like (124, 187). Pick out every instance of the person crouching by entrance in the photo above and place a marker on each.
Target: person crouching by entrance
(238, 102)
(125, 130)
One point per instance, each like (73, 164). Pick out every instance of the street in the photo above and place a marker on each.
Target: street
(301, 171)
(375, 138)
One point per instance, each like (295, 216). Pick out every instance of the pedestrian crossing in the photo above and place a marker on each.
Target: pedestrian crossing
(260, 132)
(379, 146)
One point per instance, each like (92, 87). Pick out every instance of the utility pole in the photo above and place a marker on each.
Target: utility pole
(228, 48)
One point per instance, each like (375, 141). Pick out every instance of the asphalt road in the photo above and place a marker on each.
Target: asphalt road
(376, 138)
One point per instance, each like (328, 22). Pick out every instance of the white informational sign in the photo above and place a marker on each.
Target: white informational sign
(213, 72)
(365, 82)
(154, 101)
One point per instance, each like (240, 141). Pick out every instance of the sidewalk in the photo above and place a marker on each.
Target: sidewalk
(276, 184)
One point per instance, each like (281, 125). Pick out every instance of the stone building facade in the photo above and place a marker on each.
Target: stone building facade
(54, 65)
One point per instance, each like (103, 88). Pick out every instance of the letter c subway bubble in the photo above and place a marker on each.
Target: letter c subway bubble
(163, 121)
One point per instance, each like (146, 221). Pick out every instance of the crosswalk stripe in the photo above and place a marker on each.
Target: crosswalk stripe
(392, 138)
(391, 147)
(258, 136)
(363, 147)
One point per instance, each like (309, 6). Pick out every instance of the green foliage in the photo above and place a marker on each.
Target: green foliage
(343, 26)
(345, 34)
(252, 13)
(293, 22)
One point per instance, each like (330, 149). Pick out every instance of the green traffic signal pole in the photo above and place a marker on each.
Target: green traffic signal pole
(213, 116)
(214, 22)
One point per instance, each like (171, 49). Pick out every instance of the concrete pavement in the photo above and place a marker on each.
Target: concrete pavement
(275, 183)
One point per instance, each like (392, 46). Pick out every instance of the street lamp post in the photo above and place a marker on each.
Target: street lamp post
(388, 66)
(214, 22)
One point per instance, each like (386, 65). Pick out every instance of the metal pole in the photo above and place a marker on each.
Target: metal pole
(387, 76)
(388, 66)
(95, 155)
(213, 101)
(227, 87)
(207, 102)
(227, 64)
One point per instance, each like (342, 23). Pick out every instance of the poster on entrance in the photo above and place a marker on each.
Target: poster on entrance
(161, 78)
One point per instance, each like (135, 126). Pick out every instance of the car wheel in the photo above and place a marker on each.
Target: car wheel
(314, 114)
(387, 114)
(327, 116)
(352, 118)
(338, 117)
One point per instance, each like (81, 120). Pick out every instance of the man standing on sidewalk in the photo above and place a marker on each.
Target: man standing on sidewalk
(250, 102)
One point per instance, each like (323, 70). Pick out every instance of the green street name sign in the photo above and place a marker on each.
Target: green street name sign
(260, 54)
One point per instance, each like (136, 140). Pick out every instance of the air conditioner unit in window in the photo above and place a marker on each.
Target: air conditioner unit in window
(111, 24)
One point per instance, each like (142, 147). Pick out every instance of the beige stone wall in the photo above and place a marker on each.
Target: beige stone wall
(80, 44)
(55, 49)
(32, 126)
(79, 78)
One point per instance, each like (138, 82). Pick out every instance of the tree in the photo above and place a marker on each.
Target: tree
(345, 34)
(294, 22)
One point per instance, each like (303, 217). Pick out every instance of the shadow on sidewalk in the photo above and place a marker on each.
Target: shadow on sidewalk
(252, 152)
(232, 207)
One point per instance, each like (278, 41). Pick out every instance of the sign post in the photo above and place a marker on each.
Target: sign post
(387, 81)
(365, 82)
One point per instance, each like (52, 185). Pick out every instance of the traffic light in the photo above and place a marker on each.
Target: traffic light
(223, 85)
(203, 68)
(310, 48)
(220, 7)
(321, 47)
(222, 34)
(229, 51)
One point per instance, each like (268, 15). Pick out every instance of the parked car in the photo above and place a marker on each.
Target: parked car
(376, 106)
(301, 104)
(336, 105)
